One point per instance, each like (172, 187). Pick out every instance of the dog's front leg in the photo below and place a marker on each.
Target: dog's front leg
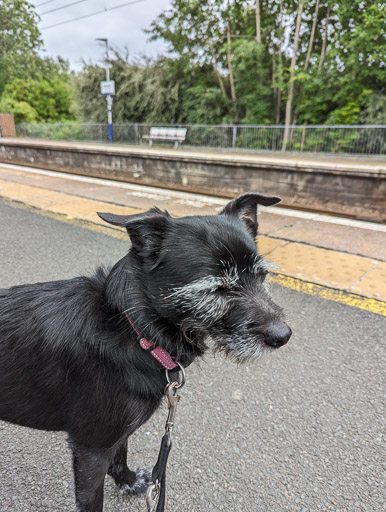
(90, 468)
(131, 482)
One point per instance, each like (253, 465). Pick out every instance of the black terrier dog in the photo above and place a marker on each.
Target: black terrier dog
(70, 356)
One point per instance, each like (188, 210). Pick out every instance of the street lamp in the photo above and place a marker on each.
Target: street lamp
(108, 89)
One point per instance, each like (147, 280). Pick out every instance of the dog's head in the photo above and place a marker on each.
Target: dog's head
(204, 275)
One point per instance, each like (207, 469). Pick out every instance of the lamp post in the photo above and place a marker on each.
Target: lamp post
(108, 86)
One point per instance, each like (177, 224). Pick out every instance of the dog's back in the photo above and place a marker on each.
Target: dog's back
(53, 337)
(39, 324)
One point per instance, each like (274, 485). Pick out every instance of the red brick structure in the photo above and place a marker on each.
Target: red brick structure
(7, 125)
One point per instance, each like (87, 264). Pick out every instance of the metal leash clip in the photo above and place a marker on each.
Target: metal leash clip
(173, 399)
(152, 495)
(181, 377)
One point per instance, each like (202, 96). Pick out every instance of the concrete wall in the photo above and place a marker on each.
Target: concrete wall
(331, 187)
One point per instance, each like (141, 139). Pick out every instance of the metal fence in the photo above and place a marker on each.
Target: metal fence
(348, 139)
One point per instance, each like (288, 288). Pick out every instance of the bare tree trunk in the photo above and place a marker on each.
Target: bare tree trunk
(324, 43)
(218, 75)
(275, 89)
(258, 24)
(232, 83)
(307, 61)
(312, 36)
(219, 78)
(288, 109)
(278, 105)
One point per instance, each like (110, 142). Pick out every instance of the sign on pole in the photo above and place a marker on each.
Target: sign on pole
(108, 87)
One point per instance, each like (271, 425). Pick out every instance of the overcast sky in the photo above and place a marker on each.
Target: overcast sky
(76, 40)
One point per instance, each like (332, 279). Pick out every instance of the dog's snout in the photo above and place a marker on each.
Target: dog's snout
(277, 334)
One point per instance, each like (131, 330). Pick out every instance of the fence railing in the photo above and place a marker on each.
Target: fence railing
(349, 139)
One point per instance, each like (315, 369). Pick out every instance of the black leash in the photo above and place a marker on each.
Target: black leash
(156, 492)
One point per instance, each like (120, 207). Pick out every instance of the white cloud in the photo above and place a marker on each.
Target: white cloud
(123, 27)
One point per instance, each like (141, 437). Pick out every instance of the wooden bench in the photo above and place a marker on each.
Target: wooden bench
(172, 134)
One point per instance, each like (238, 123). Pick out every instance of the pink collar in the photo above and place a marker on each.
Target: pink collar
(158, 353)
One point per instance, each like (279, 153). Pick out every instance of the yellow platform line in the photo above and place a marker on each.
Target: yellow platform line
(347, 298)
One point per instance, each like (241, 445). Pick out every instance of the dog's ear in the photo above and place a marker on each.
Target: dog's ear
(145, 229)
(245, 207)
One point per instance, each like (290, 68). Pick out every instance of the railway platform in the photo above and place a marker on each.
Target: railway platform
(299, 431)
(340, 259)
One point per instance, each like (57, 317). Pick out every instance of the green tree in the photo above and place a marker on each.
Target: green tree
(323, 60)
(253, 82)
(145, 91)
(20, 39)
(221, 38)
(50, 100)
(357, 56)
(375, 109)
(195, 33)
(347, 64)
(22, 111)
(240, 61)
(32, 87)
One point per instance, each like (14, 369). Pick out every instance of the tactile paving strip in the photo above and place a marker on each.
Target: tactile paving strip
(373, 284)
(330, 268)
(266, 245)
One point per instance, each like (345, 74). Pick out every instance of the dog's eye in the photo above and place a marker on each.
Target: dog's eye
(222, 290)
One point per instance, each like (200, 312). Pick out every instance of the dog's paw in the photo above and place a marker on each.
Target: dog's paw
(140, 485)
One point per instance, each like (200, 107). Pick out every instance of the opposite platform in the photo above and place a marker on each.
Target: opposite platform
(342, 185)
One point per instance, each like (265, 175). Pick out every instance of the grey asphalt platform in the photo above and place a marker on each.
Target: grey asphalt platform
(300, 431)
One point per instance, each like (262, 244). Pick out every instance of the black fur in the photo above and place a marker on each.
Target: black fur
(70, 361)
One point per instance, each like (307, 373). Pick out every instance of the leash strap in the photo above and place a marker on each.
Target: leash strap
(156, 492)
(159, 471)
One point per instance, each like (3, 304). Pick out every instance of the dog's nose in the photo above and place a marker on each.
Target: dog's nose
(277, 334)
